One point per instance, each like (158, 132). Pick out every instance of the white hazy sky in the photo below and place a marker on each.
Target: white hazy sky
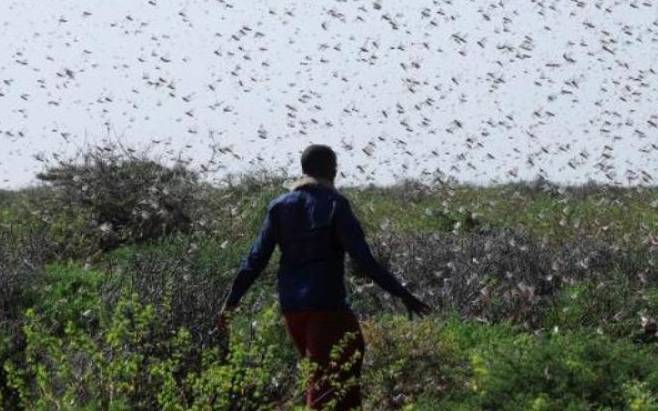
(481, 91)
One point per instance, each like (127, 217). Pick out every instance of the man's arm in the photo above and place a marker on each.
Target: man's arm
(352, 237)
(255, 262)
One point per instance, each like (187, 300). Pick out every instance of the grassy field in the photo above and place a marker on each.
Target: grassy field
(540, 294)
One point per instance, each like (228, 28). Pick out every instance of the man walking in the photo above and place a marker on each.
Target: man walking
(314, 225)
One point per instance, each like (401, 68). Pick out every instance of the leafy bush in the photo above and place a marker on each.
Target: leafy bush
(112, 196)
(137, 363)
(71, 294)
(407, 361)
(454, 364)
(614, 307)
(22, 256)
(560, 371)
(185, 281)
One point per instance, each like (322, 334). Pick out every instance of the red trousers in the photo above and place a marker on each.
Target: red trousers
(315, 333)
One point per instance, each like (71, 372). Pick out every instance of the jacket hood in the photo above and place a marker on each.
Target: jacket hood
(309, 180)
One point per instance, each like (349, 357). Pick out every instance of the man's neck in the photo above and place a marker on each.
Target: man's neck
(307, 179)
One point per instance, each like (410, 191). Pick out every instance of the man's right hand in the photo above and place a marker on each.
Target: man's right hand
(221, 324)
(224, 317)
(415, 306)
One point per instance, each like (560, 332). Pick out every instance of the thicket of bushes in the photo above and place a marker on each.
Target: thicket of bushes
(108, 196)
(496, 275)
(443, 362)
(112, 273)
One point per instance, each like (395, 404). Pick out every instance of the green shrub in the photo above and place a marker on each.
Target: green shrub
(559, 371)
(112, 196)
(136, 363)
(450, 364)
(639, 397)
(184, 278)
(614, 307)
(71, 293)
(406, 361)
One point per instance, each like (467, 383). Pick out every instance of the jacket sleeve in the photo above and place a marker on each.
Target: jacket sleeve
(256, 261)
(351, 235)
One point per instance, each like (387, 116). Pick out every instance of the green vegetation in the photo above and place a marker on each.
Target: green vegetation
(541, 293)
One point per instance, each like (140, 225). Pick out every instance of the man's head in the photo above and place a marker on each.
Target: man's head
(319, 161)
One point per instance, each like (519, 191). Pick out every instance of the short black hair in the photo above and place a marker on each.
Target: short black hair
(319, 160)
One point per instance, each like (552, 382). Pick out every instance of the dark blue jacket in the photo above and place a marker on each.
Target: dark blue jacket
(313, 225)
